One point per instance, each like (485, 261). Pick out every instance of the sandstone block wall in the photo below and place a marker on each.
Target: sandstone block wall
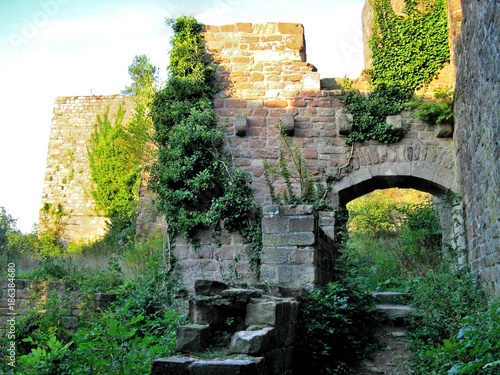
(67, 173)
(477, 134)
(293, 252)
(261, 60)
(226, 261)
(29, 293)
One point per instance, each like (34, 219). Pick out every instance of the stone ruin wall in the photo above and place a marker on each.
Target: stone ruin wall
(477, 135)
(266, 80)
(67, 172)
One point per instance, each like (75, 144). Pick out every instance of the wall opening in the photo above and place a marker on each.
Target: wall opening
(399, 228)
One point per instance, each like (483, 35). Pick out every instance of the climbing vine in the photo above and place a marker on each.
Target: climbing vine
(408, 50)
(194, 178)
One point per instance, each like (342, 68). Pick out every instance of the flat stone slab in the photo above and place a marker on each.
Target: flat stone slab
(247, 366)
(395, 311)
(389, 297)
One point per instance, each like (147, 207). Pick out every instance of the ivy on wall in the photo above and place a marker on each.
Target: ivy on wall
(408, 51)
(409, 48)
(194, 178)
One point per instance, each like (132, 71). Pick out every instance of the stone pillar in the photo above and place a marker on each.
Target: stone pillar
(293, 253)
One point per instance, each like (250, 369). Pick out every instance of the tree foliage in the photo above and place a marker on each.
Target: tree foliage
(115, 169)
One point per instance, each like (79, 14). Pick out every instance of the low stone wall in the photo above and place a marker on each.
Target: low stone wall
(26, 291)
(294, 251)
(263, 329)
(225, 261)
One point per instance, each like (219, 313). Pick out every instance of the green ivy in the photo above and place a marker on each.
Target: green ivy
(408, 51)
(369, 113)
(196, 183)
(408, 48)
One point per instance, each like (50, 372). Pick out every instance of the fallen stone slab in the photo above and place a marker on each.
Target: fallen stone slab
(172, 366)
(252, 342)
(192, 338)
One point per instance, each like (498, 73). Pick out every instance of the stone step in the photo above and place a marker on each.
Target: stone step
(393, 311)
(390, 297)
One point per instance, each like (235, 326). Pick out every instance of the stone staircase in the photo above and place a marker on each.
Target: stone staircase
(392, 358)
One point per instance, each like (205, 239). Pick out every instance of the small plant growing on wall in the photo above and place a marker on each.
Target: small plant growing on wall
(299, 184)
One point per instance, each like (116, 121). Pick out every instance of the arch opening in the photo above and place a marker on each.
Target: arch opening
(448, 209)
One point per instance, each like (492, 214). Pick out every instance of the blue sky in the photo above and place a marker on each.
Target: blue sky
(51, 48)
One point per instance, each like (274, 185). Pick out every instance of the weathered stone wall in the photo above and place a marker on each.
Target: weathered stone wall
(226, 261)
(67, 173)
(28, 293)
(477, 135)
(293, 252)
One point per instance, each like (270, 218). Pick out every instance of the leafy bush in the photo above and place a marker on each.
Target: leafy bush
(197, 185)
(124, 339)
(337, 328)
(369, 113)
(442, 299)
(438, 111)
(476, 348)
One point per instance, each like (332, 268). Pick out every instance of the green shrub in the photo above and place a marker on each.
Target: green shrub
(442, 299)
(438, 111)
(337, 325)
(369, 113)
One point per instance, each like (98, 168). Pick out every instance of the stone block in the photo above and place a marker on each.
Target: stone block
(262, 312)
(103, 300)
(171, 366)
(269, 273)
(306, 223)
(240, 125)
(276, 254)
(274, 224)
(192, 338)
(395, 121)
(237, 366)
(301, 209)
(252, 342)
(241, 296)
(287, 123)
(270, 211)
(344, 122)
(209, 287)
(289, 239)
(202, 311)
(443, 130)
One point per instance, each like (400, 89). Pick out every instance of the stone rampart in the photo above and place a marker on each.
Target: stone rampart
(66, 187)
(477, 135)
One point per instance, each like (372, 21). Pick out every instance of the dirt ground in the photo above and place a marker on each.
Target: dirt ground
(393, 356)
